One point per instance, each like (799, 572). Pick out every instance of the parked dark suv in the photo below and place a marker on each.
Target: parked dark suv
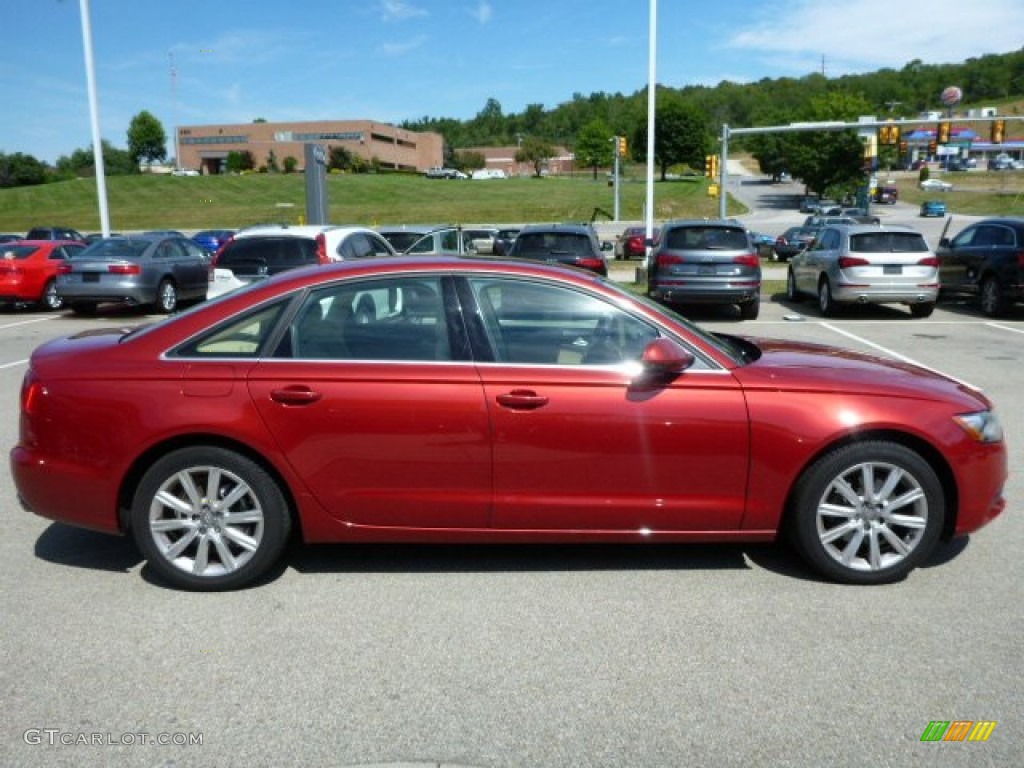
(575, 245)
(55, 233)
(986, 262)
(705, 262)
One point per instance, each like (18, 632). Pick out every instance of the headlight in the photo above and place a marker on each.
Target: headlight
(983, 426)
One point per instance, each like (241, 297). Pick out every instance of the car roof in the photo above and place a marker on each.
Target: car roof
(583, 229)
(725, 223)
(859, 229)
(301, 230)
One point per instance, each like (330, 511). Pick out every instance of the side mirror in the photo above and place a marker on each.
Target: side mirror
(944, 242)
(661, 362)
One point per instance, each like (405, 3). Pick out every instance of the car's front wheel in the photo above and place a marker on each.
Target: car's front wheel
(867, 513)
(792, 294)
(208, 518)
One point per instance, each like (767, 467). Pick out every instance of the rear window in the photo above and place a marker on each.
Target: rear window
(553, 243)
(706, 239)
(17, 251)
(115, 249)
(268, 255)
(888, 242)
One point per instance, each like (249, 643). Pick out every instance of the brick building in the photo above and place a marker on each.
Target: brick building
(206, 147)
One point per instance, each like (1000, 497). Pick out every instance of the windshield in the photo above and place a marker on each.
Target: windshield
(115, 249)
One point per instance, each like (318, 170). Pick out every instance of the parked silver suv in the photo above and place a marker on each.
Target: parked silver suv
(866, 264)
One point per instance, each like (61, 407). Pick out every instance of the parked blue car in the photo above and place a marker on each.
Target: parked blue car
(933, 208)
(212, 239)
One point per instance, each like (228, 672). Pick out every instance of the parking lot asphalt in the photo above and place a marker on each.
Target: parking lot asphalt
(516, 656)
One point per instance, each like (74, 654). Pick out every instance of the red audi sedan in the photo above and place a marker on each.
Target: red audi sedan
(28, 271)
(470, 400)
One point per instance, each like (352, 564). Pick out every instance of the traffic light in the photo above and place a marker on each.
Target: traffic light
(933, 147)
(711, 166)
(621, 148)
(904, 147)
(942, 133)
(998, 131)
(889, 134)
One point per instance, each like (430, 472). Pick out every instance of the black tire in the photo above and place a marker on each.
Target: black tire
(990, 297)
(751, 309)
(209, 548)
(166, 297)
(826, 305)
(922, 310)
(835, 517)
(84, 307)
(792, 294)
(50, 300)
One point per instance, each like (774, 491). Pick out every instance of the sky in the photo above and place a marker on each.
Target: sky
(395, 60)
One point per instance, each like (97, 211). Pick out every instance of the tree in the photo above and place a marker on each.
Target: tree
(537, 152)
(594, 147)
(21, 170)
(116, 162)
(240, 160)
(469, 161)
(146, 138)
(290, 164)
(272, 165)
(681, 135)
(829, 161)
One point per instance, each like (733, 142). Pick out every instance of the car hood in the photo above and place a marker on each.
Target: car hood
(795, 366)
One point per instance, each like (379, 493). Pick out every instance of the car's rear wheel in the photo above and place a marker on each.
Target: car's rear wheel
(867, 513)
(751, 309)
(826, 305)
(924, 309)
(50, 299)
(991, 297)
(208, 518)
(166, 297)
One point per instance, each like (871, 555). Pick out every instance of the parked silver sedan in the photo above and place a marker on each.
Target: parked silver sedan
(866, 264)
(159, 270)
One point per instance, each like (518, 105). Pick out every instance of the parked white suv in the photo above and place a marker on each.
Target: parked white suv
(259, 252)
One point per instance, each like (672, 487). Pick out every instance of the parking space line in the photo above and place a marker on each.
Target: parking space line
(896, 355)
(1005, 327)
(27, 322)
(14, 364)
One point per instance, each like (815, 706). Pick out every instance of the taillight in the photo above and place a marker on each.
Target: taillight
(63, 269)
(1020, 258)
(31, 391)
(124, 269)
(216, 256)
(589, 262)
(928, 261)
(667, 259)
(845, 262)
(780, 240)
(747, 260)
(321, 249)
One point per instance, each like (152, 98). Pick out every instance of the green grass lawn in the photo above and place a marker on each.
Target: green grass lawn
(189, 203)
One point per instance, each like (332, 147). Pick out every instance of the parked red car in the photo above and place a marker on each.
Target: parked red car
(630, 244)
(28, 271)
(489, 401)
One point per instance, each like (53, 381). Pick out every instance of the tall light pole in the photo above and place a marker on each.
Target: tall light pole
(94, 112)
(652, 35)
(174, 106)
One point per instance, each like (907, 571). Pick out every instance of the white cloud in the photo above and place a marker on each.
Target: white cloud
(399, 10)
(399, 48)
(483, 12)
(873, 34)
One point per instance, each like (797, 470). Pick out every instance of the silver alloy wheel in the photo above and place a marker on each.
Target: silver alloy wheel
(51, 299)
(167, 296)
(872, 516)
(825, 298)
(206, 521)
(991, 297)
